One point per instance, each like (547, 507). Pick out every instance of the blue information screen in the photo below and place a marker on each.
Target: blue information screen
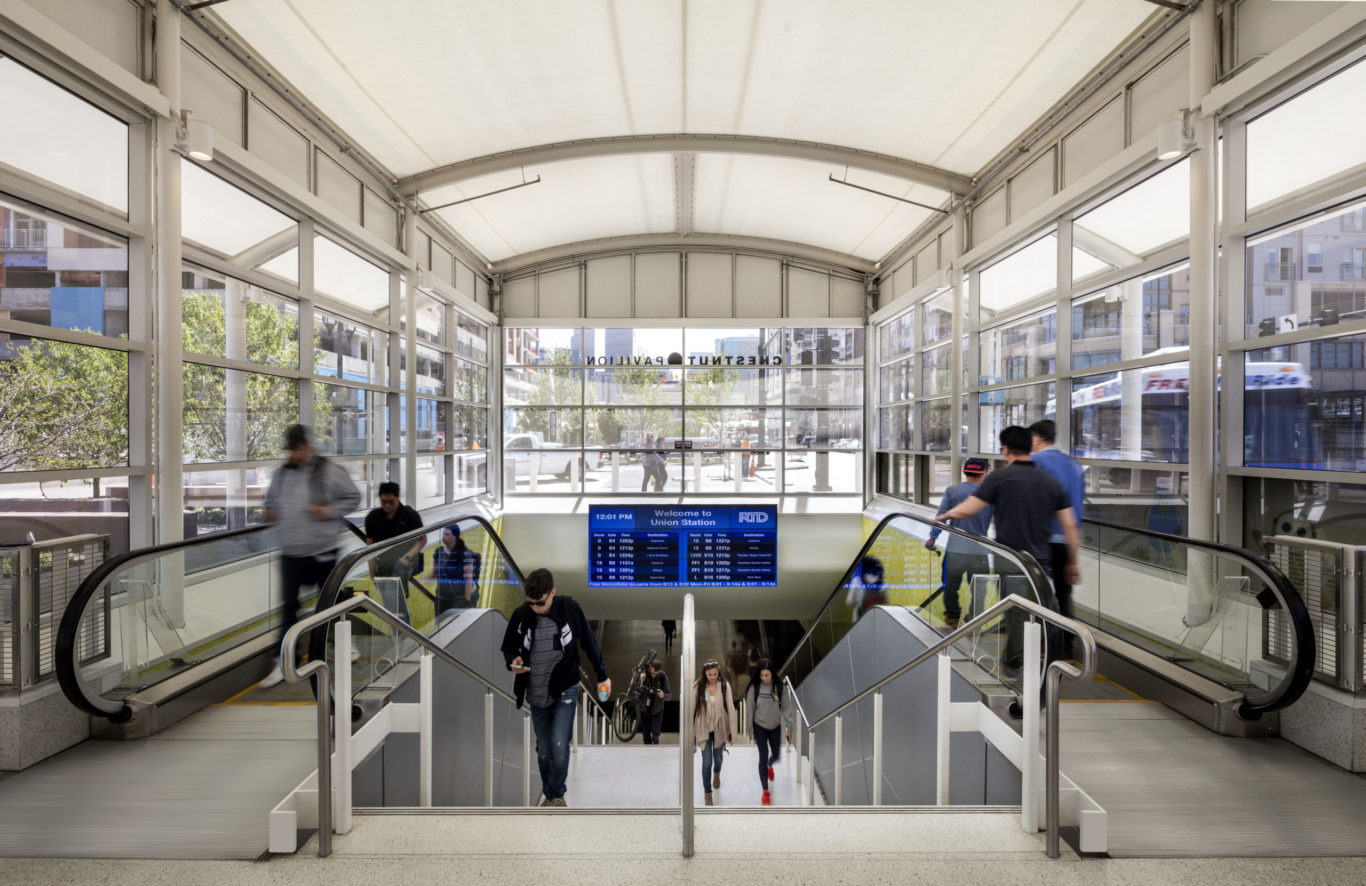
(682, 546)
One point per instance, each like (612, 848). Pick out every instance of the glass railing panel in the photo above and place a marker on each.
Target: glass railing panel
(461, 566)
(904, 564)
(1217, 612)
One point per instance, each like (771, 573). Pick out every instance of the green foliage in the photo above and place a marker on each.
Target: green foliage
(63, 407)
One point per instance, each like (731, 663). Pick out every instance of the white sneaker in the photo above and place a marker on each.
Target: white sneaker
(274, 678)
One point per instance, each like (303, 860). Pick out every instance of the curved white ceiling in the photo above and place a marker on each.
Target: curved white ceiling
(422, 84)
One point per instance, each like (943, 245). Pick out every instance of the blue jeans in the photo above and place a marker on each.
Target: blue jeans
(553, 726)
(711, 760)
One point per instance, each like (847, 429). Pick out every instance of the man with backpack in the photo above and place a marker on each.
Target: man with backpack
(307, 499)
(391, 519)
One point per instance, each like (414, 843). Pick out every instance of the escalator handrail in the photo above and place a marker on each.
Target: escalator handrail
(68, 669)
(1033, 571)
(1300, 672)
(328, 594)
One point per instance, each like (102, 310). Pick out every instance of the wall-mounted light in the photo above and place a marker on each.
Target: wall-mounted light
(199, 138)
(1174, 136)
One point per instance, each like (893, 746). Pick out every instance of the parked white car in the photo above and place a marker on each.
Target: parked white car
(526, 449)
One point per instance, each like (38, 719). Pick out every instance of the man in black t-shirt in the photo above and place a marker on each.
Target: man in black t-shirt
(1025, 500)
(389, 520)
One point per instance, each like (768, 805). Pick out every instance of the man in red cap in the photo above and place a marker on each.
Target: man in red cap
(962, 558)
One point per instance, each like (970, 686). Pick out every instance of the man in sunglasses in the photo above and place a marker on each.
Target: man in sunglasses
(541, 646)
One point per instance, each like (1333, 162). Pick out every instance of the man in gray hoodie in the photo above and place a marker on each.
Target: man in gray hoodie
(307, 499)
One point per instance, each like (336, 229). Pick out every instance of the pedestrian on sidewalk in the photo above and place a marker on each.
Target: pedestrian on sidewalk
(766, 703)
(714, 724)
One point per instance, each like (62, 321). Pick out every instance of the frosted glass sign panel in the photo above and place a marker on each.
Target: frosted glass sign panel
(50, 133)
(1019, 277)
(1307, 139)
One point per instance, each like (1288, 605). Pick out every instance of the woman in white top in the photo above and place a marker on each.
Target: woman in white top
(714, 724)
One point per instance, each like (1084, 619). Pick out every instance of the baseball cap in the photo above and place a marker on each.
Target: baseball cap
(975, 466)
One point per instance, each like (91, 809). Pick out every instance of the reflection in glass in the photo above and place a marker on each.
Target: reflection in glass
(1024, 349)
(231, 415)
(895, 381)
(1132, 319)
(936, 371)
(349, 351)
(760, 344)
(1311, 275)
(938, 317)
(895, 427)
(937, 425)
(896, 337)
(231, 499)
(431, 320)
(1312, 418)
(1134, 415)
(826, 346)
(232, 319)
(56, 275)
(896, 474)
(471, 338)
(824, 428)
(636, 386)
(824, 387)
(431, 371)
(432, 418)
(729, 385)
(723, 427)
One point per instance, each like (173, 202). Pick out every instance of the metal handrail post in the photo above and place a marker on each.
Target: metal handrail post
(526, 758)
(488, 748)
(877, 748)
(687, 668)
(1029, 731)
(425, 736)
(322, 673)
(839, 759)
(1052, 762)
(341, 682)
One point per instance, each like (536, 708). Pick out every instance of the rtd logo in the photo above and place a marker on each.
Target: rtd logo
(752, 517)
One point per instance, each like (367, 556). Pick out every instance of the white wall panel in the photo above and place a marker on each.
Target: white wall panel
(808, 293)
(464, 278)
(658, 284)
(111, 27)
(276, 142)
(212, 95)
(1032, 185)
(1093, 142)
(1160, 94)
(559, 296)
(903, 279)
(381, 218)
(1263, 25)
(989, 216)
(927, 261)
(609, 287)
(710, 284)
(846, 297)
(443, 263)
(424, 250)
(339, 188)
(758, 287)
(481, 293)
(519, 298)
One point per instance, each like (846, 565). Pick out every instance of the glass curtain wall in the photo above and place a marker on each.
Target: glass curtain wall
(748, 411)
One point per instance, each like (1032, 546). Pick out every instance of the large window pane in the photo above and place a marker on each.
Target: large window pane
(533, 346)
(896, 337)
(348, 421)
(1118, 233)
(471, 382)
(824, 428)
(235, 225)
(471, 339)
(837, 346)
(636, 386)
(1307, 139)
(230, 415)
(895, 425)
(759, 345)
(824, 387)
(937, 425)
(936, 371)
(431, 371)
(543, 386)
(228, 499)
(62, 406)
(895, 381)
(28, 507)
(822, 472)
(612, 428)
(938, 317)
(349, 351)
(722, 427)
(1312, 274)
(1019, 277)
(1132, 319)
(431, 320)
(232, 319)
(469, 428)
(1024, 349)
(1307, 409)
(535, 428)
(54, 274)
(431, 483)
(729, 385)
(1134, 415)
(432, 424)
(1022, 405)
(614, 346)
(52, 134)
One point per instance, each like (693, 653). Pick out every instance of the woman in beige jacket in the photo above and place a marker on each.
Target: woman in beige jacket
(714, 724)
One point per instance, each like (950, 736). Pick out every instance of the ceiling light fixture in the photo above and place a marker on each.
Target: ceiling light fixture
(194, 136)
(849, 184)
(524, 183)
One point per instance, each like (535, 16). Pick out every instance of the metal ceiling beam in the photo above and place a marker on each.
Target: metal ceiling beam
(685, 177)
(921, 173)
(642, 242)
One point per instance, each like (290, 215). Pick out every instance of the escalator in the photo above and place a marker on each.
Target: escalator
(157, 634)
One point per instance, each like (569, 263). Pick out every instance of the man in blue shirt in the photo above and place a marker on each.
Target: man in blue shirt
(962, 558)
(1065, 468)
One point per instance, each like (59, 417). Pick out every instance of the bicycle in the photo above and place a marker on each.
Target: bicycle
(633, 707)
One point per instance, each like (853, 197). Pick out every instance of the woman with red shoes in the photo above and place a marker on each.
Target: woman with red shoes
(766, 702)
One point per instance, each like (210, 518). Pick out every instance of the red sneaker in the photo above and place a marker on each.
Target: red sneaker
(767, 801)
(770, 773)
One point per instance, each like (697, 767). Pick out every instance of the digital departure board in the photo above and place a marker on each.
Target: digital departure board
(682, 546)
